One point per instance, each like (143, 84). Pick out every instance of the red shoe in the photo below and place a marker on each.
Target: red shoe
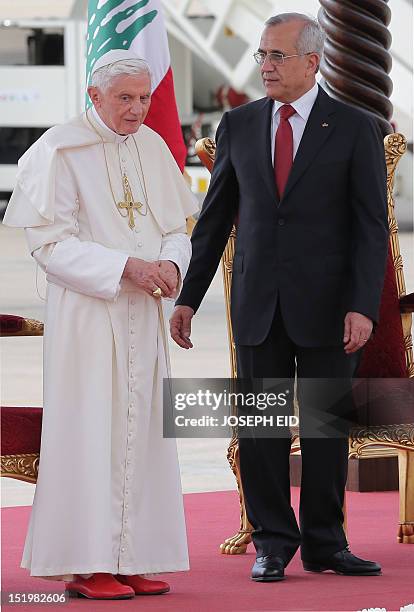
(143, 586)
(98, 586)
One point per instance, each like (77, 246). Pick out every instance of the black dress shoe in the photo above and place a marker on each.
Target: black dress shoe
(344, 563)
(268, 569)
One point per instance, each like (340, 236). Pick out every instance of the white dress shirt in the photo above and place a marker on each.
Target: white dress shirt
(303, 107)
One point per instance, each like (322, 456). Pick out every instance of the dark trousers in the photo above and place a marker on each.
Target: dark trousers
(264, 462)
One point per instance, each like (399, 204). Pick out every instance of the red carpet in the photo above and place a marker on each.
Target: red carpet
(221, 583)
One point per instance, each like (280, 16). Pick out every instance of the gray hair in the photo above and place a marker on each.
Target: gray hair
(102, 77)
(312, 37)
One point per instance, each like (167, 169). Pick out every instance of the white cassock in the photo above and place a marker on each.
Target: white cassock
(108, 497)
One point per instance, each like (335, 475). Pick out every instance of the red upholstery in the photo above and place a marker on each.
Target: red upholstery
(10, 324)
(20, 430)
(20, 426)
(389, 400)
(384, 355)
(384, 401)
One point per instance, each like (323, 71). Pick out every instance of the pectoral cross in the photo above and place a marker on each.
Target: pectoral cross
(129, 205)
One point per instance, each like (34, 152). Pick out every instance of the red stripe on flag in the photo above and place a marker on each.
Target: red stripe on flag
(163, 118)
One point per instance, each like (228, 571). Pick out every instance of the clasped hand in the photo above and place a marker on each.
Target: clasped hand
(148, 276)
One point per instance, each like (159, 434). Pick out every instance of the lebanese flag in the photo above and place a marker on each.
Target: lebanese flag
(140, 26)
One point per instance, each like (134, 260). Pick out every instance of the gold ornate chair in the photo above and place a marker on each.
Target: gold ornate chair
(20, 426)
(373, 440)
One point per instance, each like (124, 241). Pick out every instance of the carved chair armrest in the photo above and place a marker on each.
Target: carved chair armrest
(12, 325)
(206, 151)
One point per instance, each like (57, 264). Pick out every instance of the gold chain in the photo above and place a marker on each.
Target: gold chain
(142, 183)
(124, 176)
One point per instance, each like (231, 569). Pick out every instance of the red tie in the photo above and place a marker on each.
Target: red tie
(284, 148)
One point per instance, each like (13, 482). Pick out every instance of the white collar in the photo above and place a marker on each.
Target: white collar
(303, 105)
(101, 122)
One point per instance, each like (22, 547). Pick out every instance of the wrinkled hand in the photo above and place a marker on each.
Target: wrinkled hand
(180, 326)
(169, 275)
(146, 276)
(358, 329)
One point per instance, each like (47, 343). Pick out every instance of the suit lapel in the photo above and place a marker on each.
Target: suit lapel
(317, 131)
(260, 140)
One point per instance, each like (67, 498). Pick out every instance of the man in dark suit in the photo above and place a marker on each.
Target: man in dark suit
(305, 177)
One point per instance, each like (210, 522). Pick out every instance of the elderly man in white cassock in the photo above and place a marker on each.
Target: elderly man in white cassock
(105, 206)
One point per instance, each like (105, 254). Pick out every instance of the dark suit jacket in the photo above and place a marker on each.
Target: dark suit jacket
(321, 249)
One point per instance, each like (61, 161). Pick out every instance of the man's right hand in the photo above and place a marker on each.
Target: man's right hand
(180, 326)
(146, 276)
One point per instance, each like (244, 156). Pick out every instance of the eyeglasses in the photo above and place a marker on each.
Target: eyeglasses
(275, 58)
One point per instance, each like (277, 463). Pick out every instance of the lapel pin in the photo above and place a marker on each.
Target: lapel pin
(325, 124)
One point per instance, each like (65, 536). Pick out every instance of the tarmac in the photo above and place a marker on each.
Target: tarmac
(203, 462)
